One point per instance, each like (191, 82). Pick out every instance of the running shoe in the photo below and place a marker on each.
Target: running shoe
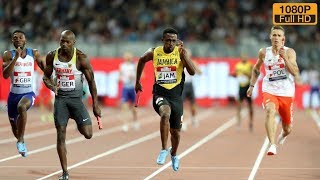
(281, 138)
(162, 156)
(64, 176)
(175, 162)
(272, 150)
(22, 149)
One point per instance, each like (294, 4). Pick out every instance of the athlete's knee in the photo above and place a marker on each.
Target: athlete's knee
(88, 135)
(22, 108)
(61, 135)
(287, 129)
(270, 110)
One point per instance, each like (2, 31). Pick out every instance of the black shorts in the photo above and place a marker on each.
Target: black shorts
(188, 93)
(243, 94)
(70, 107)
(176, 116)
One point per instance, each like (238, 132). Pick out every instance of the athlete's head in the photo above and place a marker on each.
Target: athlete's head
(277, 36)
(127, 57)
(244, 57)
(19, 39)
(169, 39)
(67, 40)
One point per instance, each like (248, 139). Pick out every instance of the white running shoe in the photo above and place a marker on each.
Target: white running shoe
(272, 150)
(281, 138)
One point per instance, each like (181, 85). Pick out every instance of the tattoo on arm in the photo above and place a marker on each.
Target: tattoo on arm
(256, 72)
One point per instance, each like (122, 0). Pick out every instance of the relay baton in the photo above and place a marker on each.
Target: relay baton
(137, 99)
(99, 122)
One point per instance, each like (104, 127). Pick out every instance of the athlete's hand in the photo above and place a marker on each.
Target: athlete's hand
(249, 91)
(179, 43)
(283, 54)
(298, 80)
(138, 87)
(19, 51)
(96, 110)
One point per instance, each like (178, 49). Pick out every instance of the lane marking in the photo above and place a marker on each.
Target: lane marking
(259, 159)
(156, 167)
(212, 135)
(261, 153)
(315, 117)
(122, 147)
(79, 139)
(106, 153)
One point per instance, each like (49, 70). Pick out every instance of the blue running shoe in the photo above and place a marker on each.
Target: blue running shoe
(22, 149)
(162, 156)
(175, 163)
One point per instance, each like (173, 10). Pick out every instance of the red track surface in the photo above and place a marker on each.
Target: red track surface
(227, 154)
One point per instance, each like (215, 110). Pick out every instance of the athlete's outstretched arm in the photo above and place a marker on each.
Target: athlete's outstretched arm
(147, 56)
(256, 71)
(87, 70)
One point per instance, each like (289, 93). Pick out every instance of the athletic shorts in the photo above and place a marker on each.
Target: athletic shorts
(70, 107)
(176, 105)
(188, 92)
(128, 95)
(284, 105)
(13, 101)
(243, 94)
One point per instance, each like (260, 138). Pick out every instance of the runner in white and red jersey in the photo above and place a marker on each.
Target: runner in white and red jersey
(18, 64)
(278, 85)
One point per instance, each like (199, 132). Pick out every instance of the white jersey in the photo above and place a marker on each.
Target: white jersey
(277, 81)
(22, 76)
(128, 73)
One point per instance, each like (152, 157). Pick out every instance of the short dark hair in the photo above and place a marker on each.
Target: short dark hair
(277, 27)
(170, 31)
(18, 31)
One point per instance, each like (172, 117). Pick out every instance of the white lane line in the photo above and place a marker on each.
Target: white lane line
(315, 117)
(29, 136)
(259, 159)
(114, 150)
(124, 146)
(79, 139)
(156, 167)
(213, 134)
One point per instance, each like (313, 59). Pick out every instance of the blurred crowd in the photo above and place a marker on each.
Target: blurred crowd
(100, 21)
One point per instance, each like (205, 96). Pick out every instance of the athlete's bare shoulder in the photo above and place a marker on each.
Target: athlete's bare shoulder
(81, 54)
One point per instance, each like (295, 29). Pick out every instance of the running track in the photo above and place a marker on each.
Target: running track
(214, 150)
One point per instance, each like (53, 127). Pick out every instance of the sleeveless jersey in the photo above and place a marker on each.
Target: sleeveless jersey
(242, 71)
(277, 81)
(22, 76)
(68, 77)
(168, 70)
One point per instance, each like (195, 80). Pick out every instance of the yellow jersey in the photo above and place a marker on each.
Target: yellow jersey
(168, 70)
(243, 73)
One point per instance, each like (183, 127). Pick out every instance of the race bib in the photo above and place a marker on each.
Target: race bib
(166, 75)
(22, 79)
(277, 72)
(66, 82)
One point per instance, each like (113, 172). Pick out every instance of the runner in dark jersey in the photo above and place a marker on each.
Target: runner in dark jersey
(169, 61)
(70, 64)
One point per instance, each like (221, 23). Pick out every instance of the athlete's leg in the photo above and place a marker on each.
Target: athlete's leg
(61, 147)
(175, 140)
(164, 112)
(23, 105)
(86, 131)
(14, 129)
(250, 105)
(270, 123)
(239, 106)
